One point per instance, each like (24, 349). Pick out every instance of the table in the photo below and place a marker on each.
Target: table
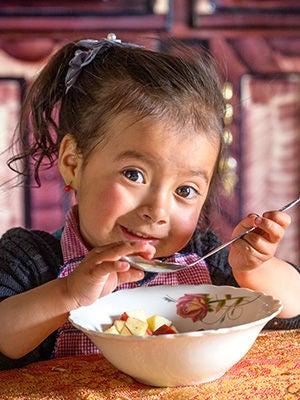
(270, 370)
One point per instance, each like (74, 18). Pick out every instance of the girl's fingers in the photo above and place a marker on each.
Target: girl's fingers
(280, 217)
(131, 275)
(101, 271)
(268, 229)
(115, 251)
(261, 244)
(94, 278)
(113, 276)
(100, 262)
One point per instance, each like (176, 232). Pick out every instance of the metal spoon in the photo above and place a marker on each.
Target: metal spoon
(163, 266)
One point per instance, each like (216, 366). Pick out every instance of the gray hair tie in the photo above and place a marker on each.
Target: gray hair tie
(85, 57)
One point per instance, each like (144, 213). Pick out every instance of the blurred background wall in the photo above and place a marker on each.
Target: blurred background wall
(257, 46)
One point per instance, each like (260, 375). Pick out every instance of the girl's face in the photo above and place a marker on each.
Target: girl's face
(148, 182)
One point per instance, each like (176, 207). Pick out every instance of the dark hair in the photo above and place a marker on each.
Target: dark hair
(180, 88)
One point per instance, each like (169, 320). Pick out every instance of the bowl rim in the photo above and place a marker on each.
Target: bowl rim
(212, 331)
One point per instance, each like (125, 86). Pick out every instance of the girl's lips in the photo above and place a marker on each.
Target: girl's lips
(131, 235)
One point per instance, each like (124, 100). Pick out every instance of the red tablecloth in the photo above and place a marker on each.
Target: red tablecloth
(270, 370)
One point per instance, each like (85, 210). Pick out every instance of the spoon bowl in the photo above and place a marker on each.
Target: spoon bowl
(154, 265)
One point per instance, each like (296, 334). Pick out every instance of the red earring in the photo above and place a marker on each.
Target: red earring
(67, 188)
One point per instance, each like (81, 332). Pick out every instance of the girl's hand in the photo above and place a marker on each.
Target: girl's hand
(259, 245)
(101, 271)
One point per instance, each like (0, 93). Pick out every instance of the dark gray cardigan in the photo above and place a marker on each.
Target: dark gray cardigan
(29, 258)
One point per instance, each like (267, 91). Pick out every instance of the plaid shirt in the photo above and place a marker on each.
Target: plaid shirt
(70, 341)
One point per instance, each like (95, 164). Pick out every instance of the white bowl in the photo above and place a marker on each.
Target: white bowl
(232, 320)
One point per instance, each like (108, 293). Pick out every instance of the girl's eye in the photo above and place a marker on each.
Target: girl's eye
(187, 192)
(134, 175)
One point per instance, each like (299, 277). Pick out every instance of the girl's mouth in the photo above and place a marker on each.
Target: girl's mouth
(135, 235)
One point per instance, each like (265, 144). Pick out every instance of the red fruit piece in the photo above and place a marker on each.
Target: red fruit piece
(124, 316)
(164, 330)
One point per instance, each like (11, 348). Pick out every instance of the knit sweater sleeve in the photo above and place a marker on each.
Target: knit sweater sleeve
(27, 260)
(221, 273)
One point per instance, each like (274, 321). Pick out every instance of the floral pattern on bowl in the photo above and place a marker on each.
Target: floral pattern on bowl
(197, 305)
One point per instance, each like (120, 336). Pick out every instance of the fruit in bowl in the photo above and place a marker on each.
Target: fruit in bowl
(216, 325)
(136, 323)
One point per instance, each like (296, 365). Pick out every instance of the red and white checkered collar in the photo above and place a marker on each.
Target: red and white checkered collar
(71, 241)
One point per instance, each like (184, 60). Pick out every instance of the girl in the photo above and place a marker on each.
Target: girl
(138, 136)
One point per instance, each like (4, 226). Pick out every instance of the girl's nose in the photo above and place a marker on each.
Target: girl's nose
(155, 211)
(151, 216)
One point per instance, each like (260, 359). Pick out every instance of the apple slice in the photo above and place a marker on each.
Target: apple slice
(119, 324)
(125, 331)
(164, 330)
(136, 326)
(138, 313)
(174, 328)
(112, 330)
(155, 321)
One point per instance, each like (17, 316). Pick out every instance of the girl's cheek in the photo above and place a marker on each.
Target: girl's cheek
(110, 191)
(116, 197)
(187, 222)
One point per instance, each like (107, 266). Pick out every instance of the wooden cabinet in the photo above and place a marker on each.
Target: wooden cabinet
(246, 15)
(56, 18)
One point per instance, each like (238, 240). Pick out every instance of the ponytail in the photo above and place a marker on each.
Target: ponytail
(39, 135)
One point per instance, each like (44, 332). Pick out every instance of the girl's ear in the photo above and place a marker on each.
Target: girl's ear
(69, 161)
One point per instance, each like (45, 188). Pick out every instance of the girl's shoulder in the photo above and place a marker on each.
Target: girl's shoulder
(30, 256)
(32, 243)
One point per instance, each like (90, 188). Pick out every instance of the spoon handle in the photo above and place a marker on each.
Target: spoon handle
(216, 249)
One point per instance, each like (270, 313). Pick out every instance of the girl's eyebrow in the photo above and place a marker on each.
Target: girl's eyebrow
(132, 154)
(135, 154)
(202, 174)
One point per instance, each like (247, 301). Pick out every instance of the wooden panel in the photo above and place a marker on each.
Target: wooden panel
(58, 7)
(12, 206)
(57, 16)
(22, 204)
(232, 5)
(262, 15)
(237, 57)
(270, 173)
